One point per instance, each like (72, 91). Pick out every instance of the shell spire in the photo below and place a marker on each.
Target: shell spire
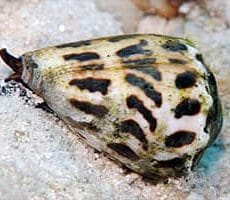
(14, 63)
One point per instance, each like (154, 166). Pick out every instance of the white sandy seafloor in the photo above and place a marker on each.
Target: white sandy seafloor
(41, 159)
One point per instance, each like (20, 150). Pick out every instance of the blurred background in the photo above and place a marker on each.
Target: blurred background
(41, 159)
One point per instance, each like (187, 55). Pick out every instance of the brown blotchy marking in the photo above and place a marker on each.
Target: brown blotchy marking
(75, 44)
(89, 108)
(92, 84)
(86, 56)
(177, 61)
(180, 138)
(92, 67)
(185, 80)
(124, 150)
(132, 127)
(149, 70)
(146, 87)
(134, 49)
(175, 162)
(187, 107)
(199, 57)
(133, 102)
(174, 45)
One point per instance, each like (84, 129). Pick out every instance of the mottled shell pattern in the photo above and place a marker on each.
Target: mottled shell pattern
(148, 101)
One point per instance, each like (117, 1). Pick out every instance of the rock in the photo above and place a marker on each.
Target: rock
(160, 25)
(164, 8)
(218, 8)
(123, 11)
(190, 9)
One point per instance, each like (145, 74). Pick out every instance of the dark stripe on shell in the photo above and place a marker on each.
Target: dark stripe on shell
(89, 108)
(214, 119)
(142, 61)
(92, 67)
(146, 87)
(177, 61)
(124, 150)
(149, 70)
(44, 106)
(75, 44)
(92, 84)
(180, 138)
(88, 125)
(120, 37)
(86, 56)
(185, 80)
(175, 46)
(81, 125)
(187, 107)
(132, 127)
(134, 49)
(133, 102)
(173, 163)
